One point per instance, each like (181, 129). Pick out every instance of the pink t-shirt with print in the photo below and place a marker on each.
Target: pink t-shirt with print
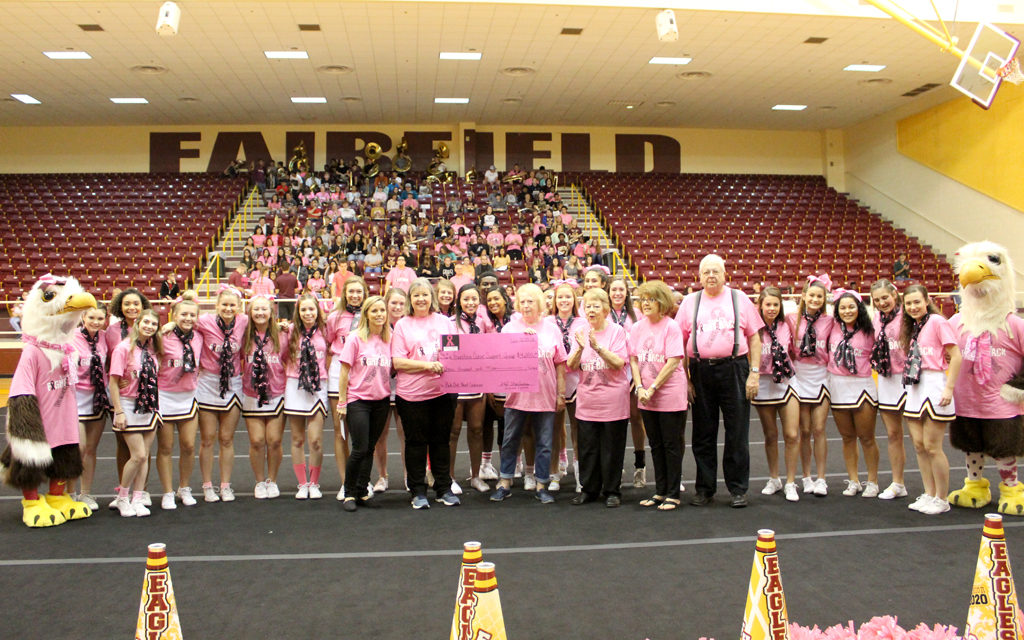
(172, 378)
(419, 339)
(36, 376)
(339, 325)
(935, 335)
(652, 344)
(213, 340)
(822, 327)
(603, 392)
(784, 334)
(861, 343)
(85, 357)
(974, 400)
(550, 352)
(126, 362)
(715, 324)
(897, 357)
(576, 323)
(319, 347)
(276, 380)
(400, 278)
(369, 376)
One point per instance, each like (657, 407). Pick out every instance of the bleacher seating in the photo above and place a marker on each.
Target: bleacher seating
(108, 230)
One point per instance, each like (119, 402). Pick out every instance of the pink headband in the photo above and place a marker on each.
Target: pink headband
(823, 279)
(177, 300)
(607, 272)
(229, 289)
(557, 283)
(839, 293)
(49, 279)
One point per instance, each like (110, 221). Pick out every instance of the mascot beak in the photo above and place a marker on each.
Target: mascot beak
(79, 302)
(975, 271)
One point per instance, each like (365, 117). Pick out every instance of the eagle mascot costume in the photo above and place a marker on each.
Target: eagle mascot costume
(989, 393)
(42, 414)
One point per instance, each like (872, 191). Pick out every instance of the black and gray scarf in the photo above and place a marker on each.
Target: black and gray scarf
(912, 372)
(227, 363)
(881, 359)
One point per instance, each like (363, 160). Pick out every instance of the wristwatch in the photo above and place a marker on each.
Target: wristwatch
(755, 370)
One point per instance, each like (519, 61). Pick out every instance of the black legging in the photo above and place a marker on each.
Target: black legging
(428, 429)
(665, 433)
(365, 420)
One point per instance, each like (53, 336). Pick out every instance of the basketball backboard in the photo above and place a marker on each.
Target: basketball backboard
(977, 76)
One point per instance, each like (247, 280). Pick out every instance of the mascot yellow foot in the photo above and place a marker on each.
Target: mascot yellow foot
(36, 513)
(975, 494)
(1011, 499)
(70, 509)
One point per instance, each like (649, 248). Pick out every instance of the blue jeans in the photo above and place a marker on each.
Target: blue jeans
(543, 433)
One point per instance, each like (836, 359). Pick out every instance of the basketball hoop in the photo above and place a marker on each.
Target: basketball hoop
(1011, 71)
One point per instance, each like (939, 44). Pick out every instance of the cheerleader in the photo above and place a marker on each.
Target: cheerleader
(932, 367)
(810, 359)
(776, 401)
(852, 390)
(134, 394)
(178, 410)
(341, 321)
(498, 307)
(568, 323)
(396, 301)
(887, 359)
(426, 411)
(91, 393)
(305, 396)
(219, 389)
(622, 314)
(470, 405)
(364, 396)
(263, 382)
(655, 354)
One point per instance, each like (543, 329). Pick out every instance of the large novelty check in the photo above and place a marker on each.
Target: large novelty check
(489, 362)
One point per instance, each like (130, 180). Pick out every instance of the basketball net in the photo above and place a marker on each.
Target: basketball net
(1011, 71)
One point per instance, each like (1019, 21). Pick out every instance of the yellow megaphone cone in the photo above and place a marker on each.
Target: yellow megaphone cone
(158, 612)
(465, 601)
(765, 616)
(993, 611)
(488, 622)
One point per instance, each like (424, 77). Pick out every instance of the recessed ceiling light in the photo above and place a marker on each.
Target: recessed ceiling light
(149, 69)
(286, 55)
(517, 72)
(451, 100)
(870, 68)
(67, 55)
(693, 75)
(461, 55)
(572, 31)
(24, 97)
(309, 100)
(351, 99)
(90, 27)
(334, 69)
(129, 101)
(665, 103)
(188, 99)
(815, 40)
(789, 107)
(630, 106)
(309, 27)
(512, 100)
(663, 60)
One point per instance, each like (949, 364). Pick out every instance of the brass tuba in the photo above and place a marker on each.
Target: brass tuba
(298, 157)
(372, 152)
(440, 155)
(472, 175)
(402, 161)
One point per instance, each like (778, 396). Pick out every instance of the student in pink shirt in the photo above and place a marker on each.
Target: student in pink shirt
(364, 396)
(470, 405)
(887, 359)
(263, 383)
(305, 395)
(539, 406)
(340, 322)
(853, 393)
(400, 276)
(91, 393)
(622, 314)
(135, 397)
(657, 359)
(316, 283)
(426, 411)
(930, 375)
(396, 301)
(179, 370)
(446, 297)
(566, 320)
(600, 355)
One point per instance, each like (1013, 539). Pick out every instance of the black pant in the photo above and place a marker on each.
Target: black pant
(366, 420)
(428, 430)
(602, 447)
(721, 387)
(665, 433)
(285, 310)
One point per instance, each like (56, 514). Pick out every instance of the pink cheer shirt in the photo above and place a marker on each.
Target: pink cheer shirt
(85, 357)
(822, 327)
(369, 375)
(213, 339)
(935, 335)
(974, 400)
(126, 362)
(784, 334)
(550, 352)
(897, 356)
(339, 325)
(36, 376)
(275, 369)
(862, 345)
(572, 376)
(652, 344)
(716, 323)
(171, 376)
(419, 339)
(603, 393)
(319, 347)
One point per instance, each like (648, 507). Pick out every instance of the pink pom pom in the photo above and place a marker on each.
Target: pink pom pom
(939, 632)
(881, 628)
(840, 632)
(797, 632)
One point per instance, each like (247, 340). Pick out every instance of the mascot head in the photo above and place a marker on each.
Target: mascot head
(987, 283)
(54, 308)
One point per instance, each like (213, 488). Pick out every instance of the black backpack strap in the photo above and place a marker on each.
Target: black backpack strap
(696, 308)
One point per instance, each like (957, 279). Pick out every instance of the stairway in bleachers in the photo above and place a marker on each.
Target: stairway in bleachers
(592, 227)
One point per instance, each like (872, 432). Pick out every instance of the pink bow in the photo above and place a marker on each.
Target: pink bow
(823, 279)
(839, 293)
(557, 283)
(979, 351)
(177, 300)
(229, 289)
(607, 271)
(49, 279)
(67, 349)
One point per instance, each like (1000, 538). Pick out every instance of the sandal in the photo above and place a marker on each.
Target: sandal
(652, 501)
(669, 504)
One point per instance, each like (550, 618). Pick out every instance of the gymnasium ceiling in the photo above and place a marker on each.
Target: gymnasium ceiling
(377, 62)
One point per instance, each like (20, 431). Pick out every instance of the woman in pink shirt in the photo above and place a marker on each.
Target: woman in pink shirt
(400, 276)
(539, 406)
(396, 301)
(470, 405)
(364, 396)
(446, 298)
(305, 395)
(622, 314)
(932, 367)
(135, 397)
(776, 401)
(887, 359)
(854, 396)
(263, 383)
(426, 411)
(179, 370)
(342, 320)
(602, 409)
(810, 356)
(262, 284)
(566, 320)
(658, 363)
(316, 283)
(91, 393)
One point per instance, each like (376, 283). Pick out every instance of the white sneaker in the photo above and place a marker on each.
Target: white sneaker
(341, 494)
(519, 467)
(302, 493)
(210, 494)
(870, 490)
(167, 502)
(140, 508)
(260, 491)
(773, 486)
(682, 487)
(791, 493)
(576, 474)
(185, 494)
(529, 482)
(640, 478)
(273, 491)
(488, 472)
(382, 485)
(89, 501)
(227, 494)
(820, 487)
(934, 506)
(853, 487)
(894, 490)
(113, 506)
(314, 492)
(808, 484)
(919, 502)
(555, 483)
(456, 489)
(369, 490)
(479, 485)
(125, 507)
(147, 500)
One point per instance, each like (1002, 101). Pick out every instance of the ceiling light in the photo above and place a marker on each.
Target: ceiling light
(451, 100)
(129, 101)
(461, 55)
(67, 55)
(630, 106)
(789, 107)
(24, 97)
(286, 55)
(309, 100)
(871, 68)
(663, 60)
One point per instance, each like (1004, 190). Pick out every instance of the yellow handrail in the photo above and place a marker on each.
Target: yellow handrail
(240, 224)
(207, 278)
